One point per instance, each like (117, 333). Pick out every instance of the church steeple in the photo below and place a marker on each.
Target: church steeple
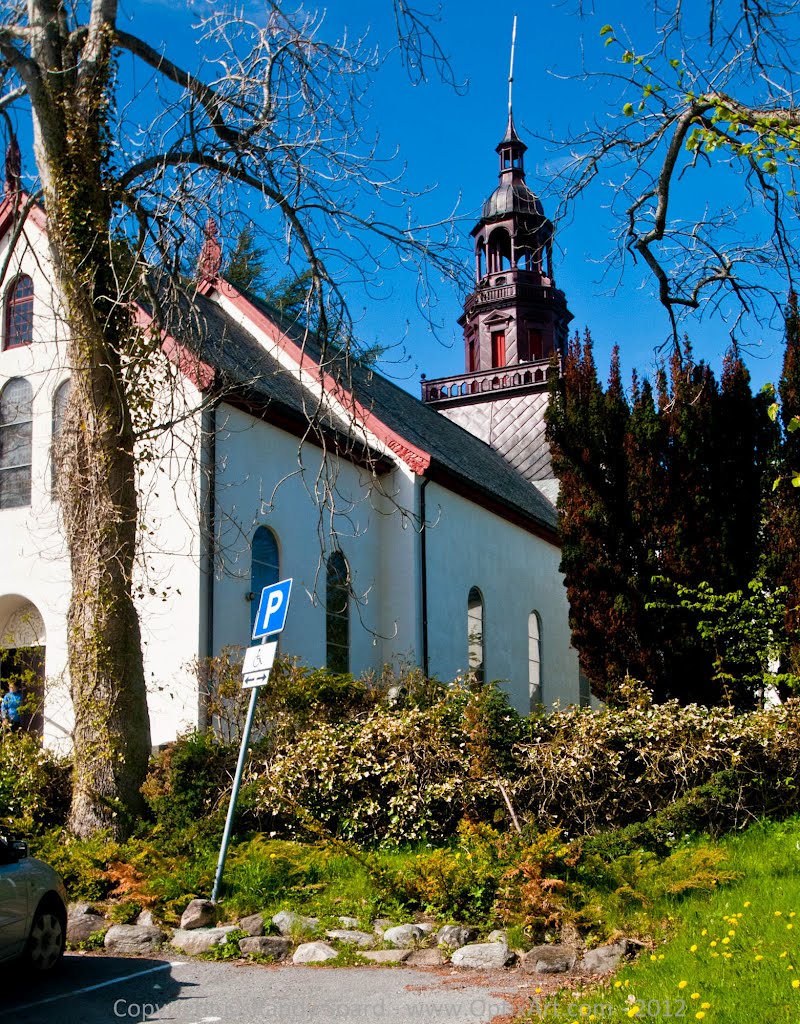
(516, 314)
(515, 321)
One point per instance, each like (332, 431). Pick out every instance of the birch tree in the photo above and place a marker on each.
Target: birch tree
(273, 111)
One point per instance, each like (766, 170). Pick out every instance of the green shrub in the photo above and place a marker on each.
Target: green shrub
(458, 882)
(35, 784)
(189, 783)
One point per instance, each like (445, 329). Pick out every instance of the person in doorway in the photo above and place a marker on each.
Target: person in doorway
(11, 706)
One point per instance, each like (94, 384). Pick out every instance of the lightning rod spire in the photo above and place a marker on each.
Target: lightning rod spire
(511, 68)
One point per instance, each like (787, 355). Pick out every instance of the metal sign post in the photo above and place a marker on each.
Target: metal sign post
(271, 619)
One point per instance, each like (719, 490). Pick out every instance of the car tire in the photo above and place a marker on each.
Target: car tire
(47, 938)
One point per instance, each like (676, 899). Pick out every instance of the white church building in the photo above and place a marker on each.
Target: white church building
(417, 532)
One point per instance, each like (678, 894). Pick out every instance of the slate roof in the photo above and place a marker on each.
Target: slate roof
(245, 367)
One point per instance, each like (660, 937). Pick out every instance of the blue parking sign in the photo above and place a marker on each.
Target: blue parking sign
(272, 608)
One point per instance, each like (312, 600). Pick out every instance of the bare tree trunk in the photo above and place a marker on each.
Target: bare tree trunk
(97, 469)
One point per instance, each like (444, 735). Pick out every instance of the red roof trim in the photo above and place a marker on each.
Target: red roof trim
(12, 207)
(415, 457)
(191, 366)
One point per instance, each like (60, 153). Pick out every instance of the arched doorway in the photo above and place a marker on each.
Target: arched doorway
(22, 655)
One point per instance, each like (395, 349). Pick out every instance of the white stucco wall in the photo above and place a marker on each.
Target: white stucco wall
(517, 573)
(260, 482)
(34, 566)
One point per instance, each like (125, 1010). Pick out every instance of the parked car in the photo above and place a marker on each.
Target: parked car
(33, 908)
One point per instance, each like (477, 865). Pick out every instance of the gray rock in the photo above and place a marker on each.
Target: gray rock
(289, 923)
(200, 940)
(481, 955)
(199, 914)
(425, 958)
(146, 917)
(348, 922)
(427, 926)
(455, 935)
(603, 959)
(84, 921)
(551, 959)
(404, 936)
(314, 953)
(380, 924)
(133, 938)
(387, 956)
(498, 935)
(354, 938)
(275, 946)
(253, 925)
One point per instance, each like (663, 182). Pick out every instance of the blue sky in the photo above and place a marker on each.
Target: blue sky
(446, 138)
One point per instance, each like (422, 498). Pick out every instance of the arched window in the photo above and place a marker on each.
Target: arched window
(337, 613)
(59, 409)
(16, 434)
(535, 660)
(499, 251)
(19, 313)
(264, 567)
(475, 634)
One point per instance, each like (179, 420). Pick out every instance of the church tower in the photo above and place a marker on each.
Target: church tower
(515, 321)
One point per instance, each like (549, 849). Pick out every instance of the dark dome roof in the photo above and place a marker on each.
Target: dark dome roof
(512, 197)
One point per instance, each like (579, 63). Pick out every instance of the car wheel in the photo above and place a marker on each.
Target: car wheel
(47, 938)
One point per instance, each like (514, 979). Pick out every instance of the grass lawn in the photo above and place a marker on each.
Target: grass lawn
(733, 958)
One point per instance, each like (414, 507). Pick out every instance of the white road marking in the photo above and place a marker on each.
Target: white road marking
(101, 984)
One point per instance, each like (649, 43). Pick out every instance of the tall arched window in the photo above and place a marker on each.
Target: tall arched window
(18, 327)
(264, 566)
(475, 634)
(337, 613)
(59, 409)
(535, 660)
(16, 435)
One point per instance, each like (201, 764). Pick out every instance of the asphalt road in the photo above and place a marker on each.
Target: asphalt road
(111, 990)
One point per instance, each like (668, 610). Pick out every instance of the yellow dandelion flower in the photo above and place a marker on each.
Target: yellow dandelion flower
(660, 956)
(704, 931)
(695, 995)
(700, 1014)
(746, 903)
(796, 983)
(783, 954)
(693, 948)
(538, 989)
(682, 984)
(715, 954)
(789, 926)
(653, 956)
(731, 932)
(634, 1010)
(725, 941)
(759, 957)
(617, 984)
(705, 1006)
(793, 914)
(779, 913)
(713, 943)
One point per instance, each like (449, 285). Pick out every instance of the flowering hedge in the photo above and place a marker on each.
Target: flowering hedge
(400, 774)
